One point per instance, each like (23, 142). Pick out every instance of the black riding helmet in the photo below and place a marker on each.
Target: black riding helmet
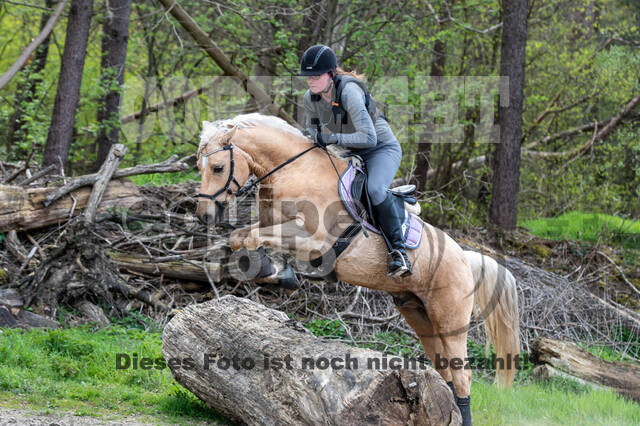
(317, 60)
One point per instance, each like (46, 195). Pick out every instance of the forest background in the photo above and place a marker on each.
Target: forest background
(582, 67)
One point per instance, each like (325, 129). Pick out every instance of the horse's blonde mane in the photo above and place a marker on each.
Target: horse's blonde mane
(244, 121)
(213, 128)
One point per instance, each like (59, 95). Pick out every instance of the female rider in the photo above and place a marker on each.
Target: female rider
(349, 123)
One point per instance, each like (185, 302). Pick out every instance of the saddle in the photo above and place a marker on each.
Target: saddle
(353, 193)
(352, 189)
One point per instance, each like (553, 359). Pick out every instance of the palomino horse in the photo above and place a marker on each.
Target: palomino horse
(306, 217)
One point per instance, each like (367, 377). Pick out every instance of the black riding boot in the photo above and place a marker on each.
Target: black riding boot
(389, 216)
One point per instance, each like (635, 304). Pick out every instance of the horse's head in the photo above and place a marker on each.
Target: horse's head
(223, 171)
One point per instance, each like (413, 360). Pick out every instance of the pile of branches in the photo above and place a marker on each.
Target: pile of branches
(156, 258)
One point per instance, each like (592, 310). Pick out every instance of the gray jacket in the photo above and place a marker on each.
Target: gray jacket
(367, 136)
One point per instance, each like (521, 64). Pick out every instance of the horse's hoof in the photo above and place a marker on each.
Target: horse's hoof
(252, 242)
(235, 240)
(287, 278)
(235, 245)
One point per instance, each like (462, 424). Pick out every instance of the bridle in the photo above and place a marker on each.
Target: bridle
(230, 179)
(247, 187)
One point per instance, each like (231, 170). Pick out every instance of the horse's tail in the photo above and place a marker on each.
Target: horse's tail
(496, 301)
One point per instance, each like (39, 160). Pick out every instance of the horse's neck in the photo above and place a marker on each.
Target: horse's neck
(268, 148)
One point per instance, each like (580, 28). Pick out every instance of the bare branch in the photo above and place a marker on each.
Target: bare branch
(26, 54)
(170, 165)
(215, 53)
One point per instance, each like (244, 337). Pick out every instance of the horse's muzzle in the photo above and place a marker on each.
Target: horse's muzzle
(214, 217)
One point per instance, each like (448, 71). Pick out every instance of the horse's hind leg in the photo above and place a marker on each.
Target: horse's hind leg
(444, 339)
(413, 311)
(449, 310)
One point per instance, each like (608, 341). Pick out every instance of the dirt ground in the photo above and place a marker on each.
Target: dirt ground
(9, 416)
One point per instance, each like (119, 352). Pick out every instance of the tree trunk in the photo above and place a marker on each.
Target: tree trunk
(21, 208)
(278, 373)
(503, 210)
(56, 150)
(115, 34)
(437, 69)
(184, 270)
(27, 90)
(557, 358)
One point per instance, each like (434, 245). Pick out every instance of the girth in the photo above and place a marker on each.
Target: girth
(340, 245)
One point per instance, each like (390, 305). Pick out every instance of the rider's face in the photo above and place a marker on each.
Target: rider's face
(318, 83)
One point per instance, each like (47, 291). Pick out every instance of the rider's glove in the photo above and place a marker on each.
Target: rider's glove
(324, 139)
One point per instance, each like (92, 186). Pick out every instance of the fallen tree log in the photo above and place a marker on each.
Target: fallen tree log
(256, 365)
(170, 165)
(12, 314)
(181, 269)
(217, 266)
(565, 359)
(21, 208)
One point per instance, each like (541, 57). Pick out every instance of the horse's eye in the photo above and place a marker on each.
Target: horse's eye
(218, 169)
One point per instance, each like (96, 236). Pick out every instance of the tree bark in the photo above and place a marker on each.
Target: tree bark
(116, 153)
(21, 208)
(242, 331)
(115, 35)
(27, 90)
(58, 143)
(567, 359)
(181, 269)
(503, 211)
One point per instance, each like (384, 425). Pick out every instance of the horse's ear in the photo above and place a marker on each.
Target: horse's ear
(208, 130)
(230, 134)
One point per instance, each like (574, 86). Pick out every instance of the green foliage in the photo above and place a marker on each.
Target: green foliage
(161, 179)
(591, 227)
(557, 402)
(332, 329)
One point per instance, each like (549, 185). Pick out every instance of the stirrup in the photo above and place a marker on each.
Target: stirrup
(403, 271)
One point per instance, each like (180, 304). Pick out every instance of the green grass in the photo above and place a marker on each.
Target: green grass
(557, 402)
(74, 369)
(590, 227)
(554, 403)
(161, 179)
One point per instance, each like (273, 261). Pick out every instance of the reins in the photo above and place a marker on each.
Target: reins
(247, 187)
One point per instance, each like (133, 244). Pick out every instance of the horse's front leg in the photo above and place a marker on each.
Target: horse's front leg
(237, 237)
(282, 237)
(291, 237)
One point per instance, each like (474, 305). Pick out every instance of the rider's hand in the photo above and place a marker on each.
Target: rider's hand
(324, 139)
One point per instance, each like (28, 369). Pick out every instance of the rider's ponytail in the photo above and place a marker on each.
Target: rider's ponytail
(340, 71)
